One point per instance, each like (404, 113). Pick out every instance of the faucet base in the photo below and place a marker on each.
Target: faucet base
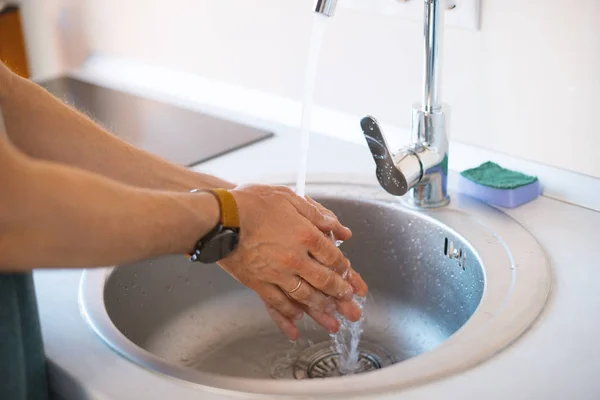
(430, 144)
(418, 201)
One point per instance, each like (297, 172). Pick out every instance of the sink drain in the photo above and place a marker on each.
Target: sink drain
(321, 361)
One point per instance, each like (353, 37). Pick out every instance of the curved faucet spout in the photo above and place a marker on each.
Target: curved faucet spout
(397, 173)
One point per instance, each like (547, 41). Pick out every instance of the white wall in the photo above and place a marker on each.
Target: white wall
(55, 35)
(527, 84)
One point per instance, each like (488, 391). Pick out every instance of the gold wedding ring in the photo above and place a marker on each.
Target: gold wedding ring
(300, 280)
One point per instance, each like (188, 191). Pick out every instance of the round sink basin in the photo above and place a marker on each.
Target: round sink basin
(449, 288)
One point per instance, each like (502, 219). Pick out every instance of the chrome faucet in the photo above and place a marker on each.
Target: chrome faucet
(325, 7)
(419, 170)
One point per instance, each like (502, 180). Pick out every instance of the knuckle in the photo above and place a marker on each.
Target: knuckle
(323, 210)
(332, 215)
(315, 212)
(322, 276)
(338, 285)
(332, 256)
(326, 279)
(292, 260)
(278, 302)
(287, 310)
(313, 299)
(311, 212)
(330, 280)
(272, 275)
(285, 190)
(309, 238)
(277, 199)
(266, 295)
(284, 311)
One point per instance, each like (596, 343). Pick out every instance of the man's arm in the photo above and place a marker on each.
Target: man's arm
(43, 127)
(53, 215)
(46, 129)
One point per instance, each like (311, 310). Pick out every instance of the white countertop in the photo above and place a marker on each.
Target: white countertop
(557, 358)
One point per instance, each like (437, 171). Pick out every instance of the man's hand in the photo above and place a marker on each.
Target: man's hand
(286, 255)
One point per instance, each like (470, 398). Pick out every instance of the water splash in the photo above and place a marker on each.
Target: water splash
(345, 341)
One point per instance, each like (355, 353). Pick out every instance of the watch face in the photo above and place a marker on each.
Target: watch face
(218, 246)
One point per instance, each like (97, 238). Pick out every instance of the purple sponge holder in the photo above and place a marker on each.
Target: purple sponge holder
(508, 198)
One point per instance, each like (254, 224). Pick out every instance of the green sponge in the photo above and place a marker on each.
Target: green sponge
(492, 175)
(499, 186)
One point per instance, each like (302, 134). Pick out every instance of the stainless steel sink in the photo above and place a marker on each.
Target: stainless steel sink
(449, 288)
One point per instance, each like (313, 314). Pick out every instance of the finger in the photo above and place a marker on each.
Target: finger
(325, 251)
(326, 280)
(327, 321)
(354, 278)
(275, 298)
(284, 324)
(307, 295)
(349, 309)
(340, 231)
(324, 222)
(357, 282)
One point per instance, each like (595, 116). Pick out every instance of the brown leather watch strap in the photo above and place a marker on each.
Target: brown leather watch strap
(230, 217)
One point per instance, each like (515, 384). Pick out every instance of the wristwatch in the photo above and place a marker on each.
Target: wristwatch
(224, 238)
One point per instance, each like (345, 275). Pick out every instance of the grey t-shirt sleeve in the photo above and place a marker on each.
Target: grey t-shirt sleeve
(22, 359)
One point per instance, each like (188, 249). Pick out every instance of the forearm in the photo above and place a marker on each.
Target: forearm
(58, 216)
(72, 138)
